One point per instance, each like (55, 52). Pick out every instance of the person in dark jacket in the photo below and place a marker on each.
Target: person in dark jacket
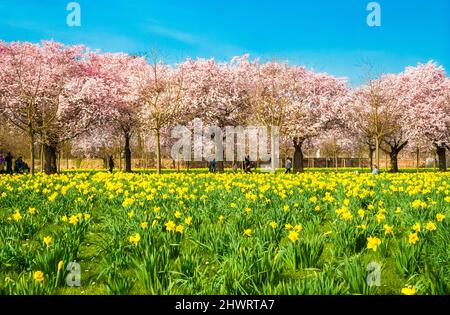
(8, 160)
(288, 166)
(212, 165)
(247, 164)
(111, 163)
(20, 166)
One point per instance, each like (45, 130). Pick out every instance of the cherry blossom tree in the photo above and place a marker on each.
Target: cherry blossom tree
(55, 93)
(314, 108)
(216, 93)
(101, 141)
(160, 91)
(426, 89)
(374, 115)
(400, 109)
(332, 142)
(269, 88)
(113, 85)
(37, 84)
(397, 134)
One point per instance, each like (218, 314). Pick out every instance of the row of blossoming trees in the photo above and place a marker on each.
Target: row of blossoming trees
(56, 94)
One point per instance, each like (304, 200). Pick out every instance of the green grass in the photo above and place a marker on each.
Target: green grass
(213, 256)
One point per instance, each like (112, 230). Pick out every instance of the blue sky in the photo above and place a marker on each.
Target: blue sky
(326, 35)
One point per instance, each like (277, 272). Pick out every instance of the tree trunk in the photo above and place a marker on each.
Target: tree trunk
(273, 153)
(127, 152)
(220, 166)
(50, 159)
(394, 161)
(386, 162)
(440, 150)
(58, 155)
(42, 157)
(417, 158)
(105, 162)
(32, 153)
(335, 153)
(158, 152)
(67, 159)
(377, 152)
(298, 156)
(335, 161)
(371, 151)
(393, 154)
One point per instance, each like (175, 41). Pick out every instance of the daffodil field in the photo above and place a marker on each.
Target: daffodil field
(195, 233)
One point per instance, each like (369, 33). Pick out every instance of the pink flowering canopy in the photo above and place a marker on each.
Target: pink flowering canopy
(56, 93)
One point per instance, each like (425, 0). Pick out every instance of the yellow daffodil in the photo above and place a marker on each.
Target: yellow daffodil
(293, 236)
(170, 226)
(47, 240)
(73, 219)
(413, 238)
(373, 243)
(431, 226)
(134, 239)
(388, 229)
(409, 291)
(188, 220)
(17, 216)
(38, 276)
(179, 229)
(60, 265)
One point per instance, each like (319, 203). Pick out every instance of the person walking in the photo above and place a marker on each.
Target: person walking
(288, 166)
(212, 165)
(247, 164)
(9, 159)
(235, 167)
(111, 163)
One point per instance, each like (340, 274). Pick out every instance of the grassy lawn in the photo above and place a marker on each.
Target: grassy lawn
(319, 232)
